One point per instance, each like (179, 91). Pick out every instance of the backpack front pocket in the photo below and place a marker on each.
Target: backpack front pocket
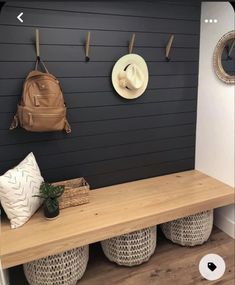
(46, 100)
(42, 119)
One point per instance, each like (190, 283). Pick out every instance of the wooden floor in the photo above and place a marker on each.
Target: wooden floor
(171, 264)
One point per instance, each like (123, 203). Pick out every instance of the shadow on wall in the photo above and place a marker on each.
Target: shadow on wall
(1, 5)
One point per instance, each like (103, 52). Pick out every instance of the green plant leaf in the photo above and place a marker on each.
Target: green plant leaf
(52, 204)
(50, 194)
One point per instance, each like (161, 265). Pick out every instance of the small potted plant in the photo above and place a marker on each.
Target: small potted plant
(50, 194)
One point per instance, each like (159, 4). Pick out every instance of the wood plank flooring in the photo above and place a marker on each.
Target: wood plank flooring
(171, 264)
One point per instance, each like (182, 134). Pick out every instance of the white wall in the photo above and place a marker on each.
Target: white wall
(215, 113)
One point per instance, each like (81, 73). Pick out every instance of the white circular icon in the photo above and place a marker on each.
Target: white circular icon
(212, 267)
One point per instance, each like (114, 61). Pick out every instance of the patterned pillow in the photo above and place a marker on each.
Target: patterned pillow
(17, 188)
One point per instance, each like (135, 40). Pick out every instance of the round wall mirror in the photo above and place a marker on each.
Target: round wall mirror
(224, 58)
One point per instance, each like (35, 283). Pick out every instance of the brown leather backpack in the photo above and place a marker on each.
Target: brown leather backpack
(42, 107)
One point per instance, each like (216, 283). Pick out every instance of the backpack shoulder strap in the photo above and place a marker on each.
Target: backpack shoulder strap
(42, 63)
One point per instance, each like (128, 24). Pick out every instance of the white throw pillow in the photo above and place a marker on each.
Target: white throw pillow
(17, 188)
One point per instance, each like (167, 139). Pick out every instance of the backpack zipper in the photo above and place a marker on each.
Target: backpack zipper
(46, 78)
(30, 119)
(36, 99)
(41, 115)
(44, 115)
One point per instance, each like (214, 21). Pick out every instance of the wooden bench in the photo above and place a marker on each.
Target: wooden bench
(113, 211)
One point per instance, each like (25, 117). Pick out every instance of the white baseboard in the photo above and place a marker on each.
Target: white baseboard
(225, 224)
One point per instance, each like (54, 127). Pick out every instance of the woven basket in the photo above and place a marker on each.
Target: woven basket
(131, 249)
(76, 192)
(190, 231)
(59, 269)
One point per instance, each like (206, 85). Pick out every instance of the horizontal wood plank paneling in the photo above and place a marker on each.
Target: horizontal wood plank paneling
(136, 173)
(52, 18)
(73, 69)
(104, 167)
(11, 152)
(116, 112)
(101, 84)
(98, 53)
(119, 8)
(52, 36)
(113, 140)
(123, 134)
(143, 152)
(94, 99)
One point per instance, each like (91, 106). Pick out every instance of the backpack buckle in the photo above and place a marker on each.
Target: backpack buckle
(14, 123)
(67, 127)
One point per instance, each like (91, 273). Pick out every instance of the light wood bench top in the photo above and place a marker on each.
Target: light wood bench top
(112, 211)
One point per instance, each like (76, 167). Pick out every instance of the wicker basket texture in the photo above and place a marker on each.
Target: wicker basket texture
(76, 192)
(60, 269)
(190, 231)
(131, 249)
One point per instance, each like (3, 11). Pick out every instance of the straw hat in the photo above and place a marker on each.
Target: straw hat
(130, 76)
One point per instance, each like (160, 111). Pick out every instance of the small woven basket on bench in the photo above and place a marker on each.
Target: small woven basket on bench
(76, 192)
(59, 269)
(131, 249)
(190, 231)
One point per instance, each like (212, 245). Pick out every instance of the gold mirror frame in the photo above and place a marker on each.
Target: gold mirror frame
(219, 70)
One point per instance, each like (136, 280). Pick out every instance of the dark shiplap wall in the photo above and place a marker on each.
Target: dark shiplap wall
(113, 140)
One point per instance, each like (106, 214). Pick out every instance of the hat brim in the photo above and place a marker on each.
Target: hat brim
(120, 65)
